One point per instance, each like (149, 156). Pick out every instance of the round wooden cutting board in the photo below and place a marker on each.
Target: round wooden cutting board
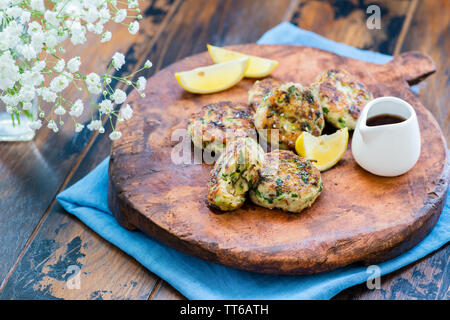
(358, 218)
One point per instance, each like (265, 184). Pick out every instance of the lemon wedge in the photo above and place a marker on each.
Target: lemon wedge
(326, 149)
(258, 67)
(214, 78)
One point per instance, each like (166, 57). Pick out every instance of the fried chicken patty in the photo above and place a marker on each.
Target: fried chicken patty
(260, 89)
(287, 182)
(234, 173)
(291, 109)
(342, 97)
(210, 126)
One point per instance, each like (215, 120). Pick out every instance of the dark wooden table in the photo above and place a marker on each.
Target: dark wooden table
(39, 240)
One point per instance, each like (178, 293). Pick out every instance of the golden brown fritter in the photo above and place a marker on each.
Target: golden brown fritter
(260, 89)
(291, 109)
(287, 182)
(236, 170)
(342, 97)
(210, 126)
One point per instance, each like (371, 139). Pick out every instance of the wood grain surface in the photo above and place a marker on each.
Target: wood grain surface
(358, 217)
(29, 223)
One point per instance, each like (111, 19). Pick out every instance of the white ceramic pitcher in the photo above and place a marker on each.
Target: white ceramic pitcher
(387, 150)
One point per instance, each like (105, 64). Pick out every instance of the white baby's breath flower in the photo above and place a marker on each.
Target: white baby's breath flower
(93, 79)
(74, 64)
(31, 78)
(118, 60)
(78, 127)
(53, 126)
(6, 41)
(27, 105)
(51, 38)
(120, 15)
(61, 34)
(93, 83)
(48, 95)
(77, 108)
(25, 17)
(59, 66)
(141, 83)
(15, 28)
(37, 41)
(68, 75)
(72, 8)
(27, 51)
(91, 15)
(14, 12)
(106, 36)
(27, 93)
(51, 17)
(38, 66)
(60, 111)
(37, 5)
(133, 28)
(35, 125)
(119, 96)
(148, 64)
(132, 4)
(97, 28)
(95, 125)
(10, 36)
(115, 135)
(34, 27)
(9, 71)
(10, 99)
(90, 27)
(78, 33)
(4, 4)
(104, 14)
(59, 83)
(106, 106)
(126, 113)
(95, 89)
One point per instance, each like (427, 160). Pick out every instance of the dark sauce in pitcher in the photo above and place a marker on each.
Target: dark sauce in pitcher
(383, 119)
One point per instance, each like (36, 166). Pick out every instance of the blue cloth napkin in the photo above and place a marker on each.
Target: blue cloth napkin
(199, 279)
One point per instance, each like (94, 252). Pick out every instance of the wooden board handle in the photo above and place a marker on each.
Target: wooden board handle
(412, 66)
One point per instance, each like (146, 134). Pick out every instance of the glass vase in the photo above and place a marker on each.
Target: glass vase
(17, 130)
